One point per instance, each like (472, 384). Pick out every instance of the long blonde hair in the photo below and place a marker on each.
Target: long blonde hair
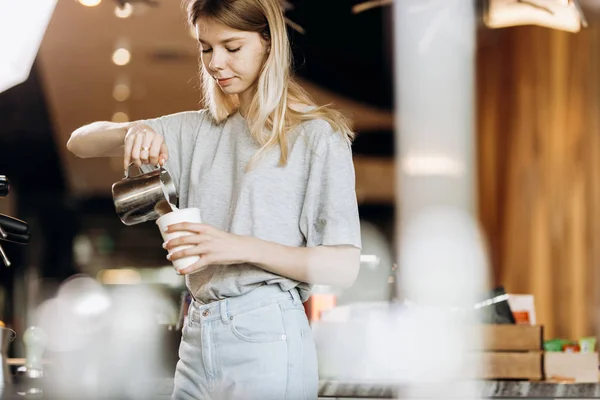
(270, 115)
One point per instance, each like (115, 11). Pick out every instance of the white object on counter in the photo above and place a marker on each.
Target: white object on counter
(523, 302)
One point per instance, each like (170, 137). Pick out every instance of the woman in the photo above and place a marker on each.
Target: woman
(273, 176)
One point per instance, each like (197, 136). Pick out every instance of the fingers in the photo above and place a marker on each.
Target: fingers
(188, 226)
(136, 149)
(197, 250)
(153, 146)
(203, 262)
(185, 240)
(144, 146)
(163, 155)
(130, 138)
(127, 153)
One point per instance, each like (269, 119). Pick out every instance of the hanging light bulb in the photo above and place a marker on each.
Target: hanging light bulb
(125, 11)
(122, 88)
(90, 3)
(122, 54)
(120, 116)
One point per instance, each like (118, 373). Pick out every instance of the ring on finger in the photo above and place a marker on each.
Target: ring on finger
(145, 148)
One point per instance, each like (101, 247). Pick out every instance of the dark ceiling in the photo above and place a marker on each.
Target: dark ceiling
(29, 156)
(349, 54)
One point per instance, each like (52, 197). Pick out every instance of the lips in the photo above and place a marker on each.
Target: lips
(222, 81)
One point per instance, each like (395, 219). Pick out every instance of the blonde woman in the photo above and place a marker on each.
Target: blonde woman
(273, 176)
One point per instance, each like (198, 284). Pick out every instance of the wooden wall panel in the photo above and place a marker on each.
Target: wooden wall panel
(539, 173)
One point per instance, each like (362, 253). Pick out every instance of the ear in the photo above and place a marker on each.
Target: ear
(267, 47)
(266, 40)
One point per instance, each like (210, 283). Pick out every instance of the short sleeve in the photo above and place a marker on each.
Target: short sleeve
(179, 131)
(330, 210)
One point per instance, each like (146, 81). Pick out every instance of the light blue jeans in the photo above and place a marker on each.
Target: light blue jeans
(258, 346)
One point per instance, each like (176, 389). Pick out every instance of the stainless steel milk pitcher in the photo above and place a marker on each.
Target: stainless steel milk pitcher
(144, 197)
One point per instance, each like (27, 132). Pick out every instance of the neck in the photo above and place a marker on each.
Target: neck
(245, 98)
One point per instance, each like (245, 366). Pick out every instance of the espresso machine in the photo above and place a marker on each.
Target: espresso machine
(15, 231)
(11, 229)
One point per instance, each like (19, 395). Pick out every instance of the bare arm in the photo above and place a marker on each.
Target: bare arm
(99, 139)
(136, 142)
(321, 265)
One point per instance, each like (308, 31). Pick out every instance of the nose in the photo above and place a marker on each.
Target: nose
(217, 60)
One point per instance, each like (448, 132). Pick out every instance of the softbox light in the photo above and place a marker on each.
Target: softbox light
(22, 27)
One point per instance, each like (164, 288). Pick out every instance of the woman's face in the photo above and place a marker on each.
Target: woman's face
(233, 58)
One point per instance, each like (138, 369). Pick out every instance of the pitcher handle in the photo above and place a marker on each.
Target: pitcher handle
(144, 169)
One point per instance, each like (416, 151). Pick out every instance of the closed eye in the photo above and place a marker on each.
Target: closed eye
(229, 50)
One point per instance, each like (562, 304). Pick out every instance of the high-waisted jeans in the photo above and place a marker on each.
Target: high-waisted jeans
(258, 346)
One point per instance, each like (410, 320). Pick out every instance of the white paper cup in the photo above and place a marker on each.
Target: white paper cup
(183, 215)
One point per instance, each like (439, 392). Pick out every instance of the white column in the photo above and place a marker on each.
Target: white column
(435, 42)
(442, 263)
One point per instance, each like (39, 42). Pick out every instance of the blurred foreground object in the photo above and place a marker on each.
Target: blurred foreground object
(22, 27)
(29, 376)
(442, 263)
(103, 342)
(6, 337)
(564, 15)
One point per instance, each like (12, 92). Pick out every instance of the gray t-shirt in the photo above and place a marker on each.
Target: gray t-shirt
(309, 202)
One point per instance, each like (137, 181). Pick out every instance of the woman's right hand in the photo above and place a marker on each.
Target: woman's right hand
(144, 146)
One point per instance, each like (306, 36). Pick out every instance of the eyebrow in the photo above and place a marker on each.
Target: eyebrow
(231, 39)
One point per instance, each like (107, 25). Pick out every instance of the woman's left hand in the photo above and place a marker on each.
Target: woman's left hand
(212, 245)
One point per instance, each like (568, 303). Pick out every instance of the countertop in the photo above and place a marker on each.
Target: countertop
(373, 390)
(485, 389)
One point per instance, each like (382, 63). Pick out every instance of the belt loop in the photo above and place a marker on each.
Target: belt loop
(295, 296)
(192, 314)
(223, 311)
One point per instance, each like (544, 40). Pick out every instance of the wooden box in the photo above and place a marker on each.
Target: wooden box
(511, 352)
(571, 367)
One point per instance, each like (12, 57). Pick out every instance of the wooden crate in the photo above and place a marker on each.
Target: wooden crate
(510, 352)
(511, 365)
(571, 367)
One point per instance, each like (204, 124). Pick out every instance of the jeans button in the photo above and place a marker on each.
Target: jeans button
(206, 313)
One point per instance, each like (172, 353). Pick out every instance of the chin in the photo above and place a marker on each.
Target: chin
(236, 88)
(231, 91)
